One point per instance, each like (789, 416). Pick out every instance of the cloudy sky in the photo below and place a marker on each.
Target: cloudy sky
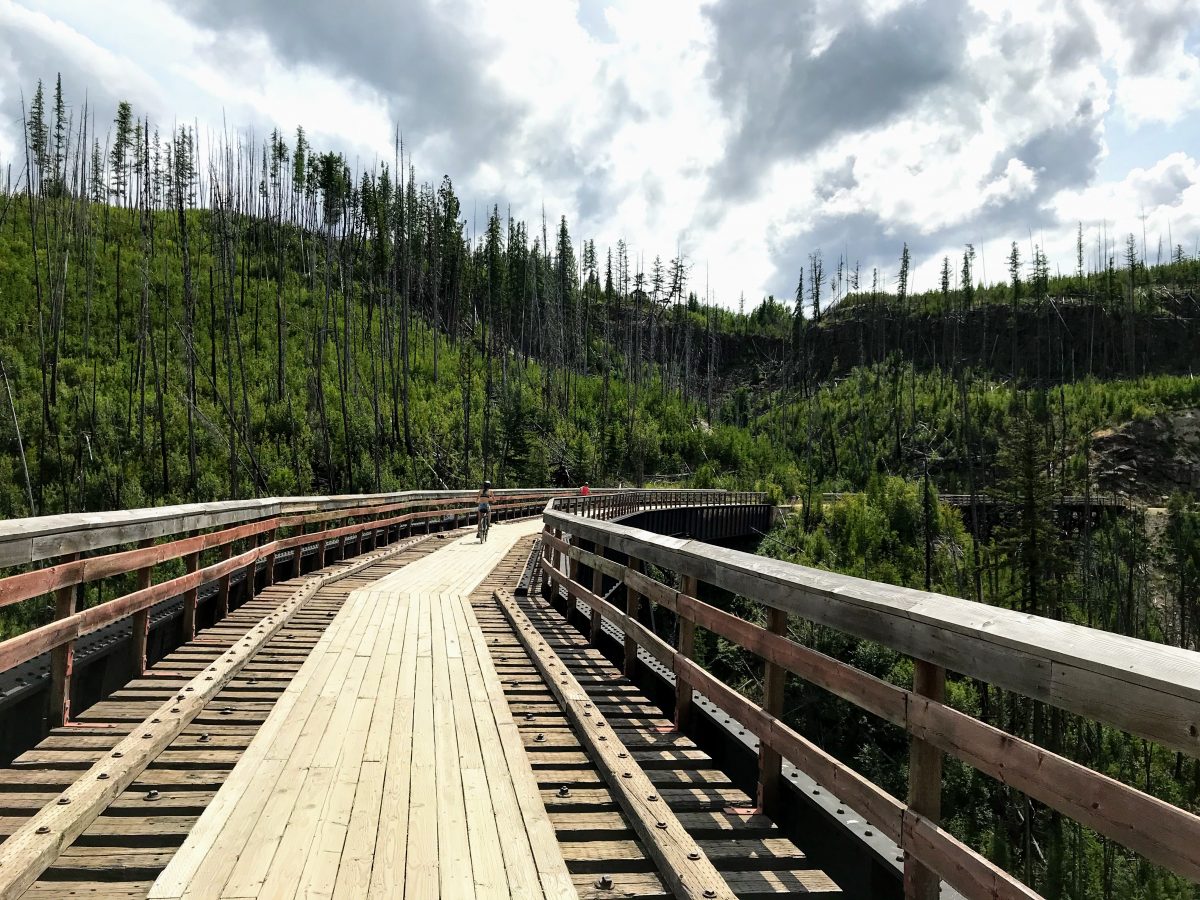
(746, 133)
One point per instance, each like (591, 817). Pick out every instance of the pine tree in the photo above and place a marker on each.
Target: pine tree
(119, 155)
(1029, 535)
(99, 187)
(38, 137)
(60, 135)
(1014, 274)
(968, 283)
(902, 282)
(815, 279)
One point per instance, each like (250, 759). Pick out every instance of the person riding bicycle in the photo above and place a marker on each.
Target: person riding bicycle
(484, 499)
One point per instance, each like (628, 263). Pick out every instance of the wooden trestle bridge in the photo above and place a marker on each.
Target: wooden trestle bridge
(352, 697)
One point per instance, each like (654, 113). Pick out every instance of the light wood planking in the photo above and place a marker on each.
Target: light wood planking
(391, 766)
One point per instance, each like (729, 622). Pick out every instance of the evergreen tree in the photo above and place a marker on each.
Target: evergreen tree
(815, 278)
(119, 155)
(38, 135)
(1014, 273)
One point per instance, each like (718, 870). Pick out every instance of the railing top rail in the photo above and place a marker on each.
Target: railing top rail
(32, 539)
(1142, 687)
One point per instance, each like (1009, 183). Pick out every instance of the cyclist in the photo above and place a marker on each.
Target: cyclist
(484, 499)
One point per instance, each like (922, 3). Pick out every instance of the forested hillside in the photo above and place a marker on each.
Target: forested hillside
(183, 322)
(269, 322)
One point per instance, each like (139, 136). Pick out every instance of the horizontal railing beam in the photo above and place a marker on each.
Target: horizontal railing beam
(1148, 689)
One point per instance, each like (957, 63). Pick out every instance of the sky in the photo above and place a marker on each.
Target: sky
(744, 134)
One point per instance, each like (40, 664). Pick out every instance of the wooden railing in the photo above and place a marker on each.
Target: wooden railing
(63, 553)
(614, 504)
(1144, 688)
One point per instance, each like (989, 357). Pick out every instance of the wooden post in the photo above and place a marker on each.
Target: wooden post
(297, 552)
(190, 599)
(597, 589)
(632, 601)
(320, 555)
(686, 647)
(573, 574)
(924, 782)
(62, 657)
(223, 583)
(270, 535)
(141, 620)
(769, 761)
(546, 557)
(558, 555)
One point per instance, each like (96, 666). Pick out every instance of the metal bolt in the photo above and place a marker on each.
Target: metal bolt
(604, 883)
(151, 795)
(841, 812)
(155, 721)
(117, 754)
(43, 829)
(622, 755)
(694, 855)
(204, 738)
(660, 824)
(103, 776)
(869, 833)
(652, 797)
(147, 735)
(174, 709)
(564, 791)
(709, 892)
(226, 710)
(528, 716)
(540, 739)
(63, 801)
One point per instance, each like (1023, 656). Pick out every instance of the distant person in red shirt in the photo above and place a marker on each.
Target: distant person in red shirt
(585, 490)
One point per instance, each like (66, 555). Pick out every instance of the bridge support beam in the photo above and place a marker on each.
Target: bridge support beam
(924, 782)
(770, 763)
(597, 622)
(141, 619)
(62, 658)
(687, 648)
(191, 599)
(633, 600)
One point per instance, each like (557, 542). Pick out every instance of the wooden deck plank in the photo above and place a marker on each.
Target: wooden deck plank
(390, 768)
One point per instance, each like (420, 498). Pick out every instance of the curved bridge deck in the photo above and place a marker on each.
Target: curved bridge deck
(391, 764)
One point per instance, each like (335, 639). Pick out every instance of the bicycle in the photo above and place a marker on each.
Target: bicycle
(485, 520)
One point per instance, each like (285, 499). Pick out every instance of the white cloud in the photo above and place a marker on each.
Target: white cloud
(627, 130)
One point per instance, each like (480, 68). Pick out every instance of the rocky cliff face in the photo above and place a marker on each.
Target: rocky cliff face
(1149, 459)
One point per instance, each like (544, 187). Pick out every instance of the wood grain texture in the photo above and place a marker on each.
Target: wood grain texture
(685, 867)
(1149, 689)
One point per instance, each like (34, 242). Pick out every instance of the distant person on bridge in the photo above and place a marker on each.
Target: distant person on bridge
(585, 490)
(484, 499)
